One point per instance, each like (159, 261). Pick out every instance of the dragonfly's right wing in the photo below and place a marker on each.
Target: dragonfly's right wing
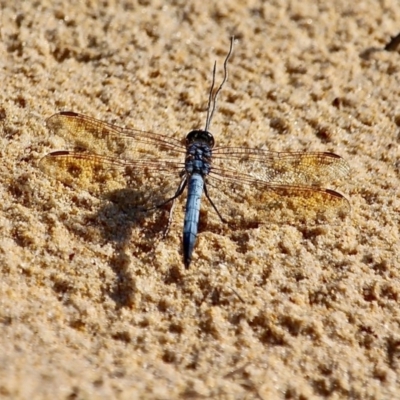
(290, 168)
(242, 198)
(269, 187)
(247, 202)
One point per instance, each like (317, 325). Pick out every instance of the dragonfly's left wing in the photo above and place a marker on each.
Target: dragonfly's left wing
(149, 183)
(92, 135)
(104, 158)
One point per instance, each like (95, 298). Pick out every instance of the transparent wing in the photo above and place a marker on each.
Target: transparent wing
(297, 168)
(257, 186)
(146, 163)
(90, 134)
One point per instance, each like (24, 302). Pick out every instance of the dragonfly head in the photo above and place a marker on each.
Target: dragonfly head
(200, 136)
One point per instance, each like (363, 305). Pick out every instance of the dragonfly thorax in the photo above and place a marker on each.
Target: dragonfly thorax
(198, 154)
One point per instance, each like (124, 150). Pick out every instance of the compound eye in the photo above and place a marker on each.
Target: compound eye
(210, 139)
(199, 136)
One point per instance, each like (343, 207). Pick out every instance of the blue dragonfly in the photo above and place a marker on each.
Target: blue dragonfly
(243, 186)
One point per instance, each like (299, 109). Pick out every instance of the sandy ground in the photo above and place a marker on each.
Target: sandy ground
(95, 304)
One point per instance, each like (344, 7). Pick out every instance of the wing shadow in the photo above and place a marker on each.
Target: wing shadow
(119, 217)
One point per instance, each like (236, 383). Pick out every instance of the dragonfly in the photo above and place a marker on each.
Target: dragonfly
(243, 186)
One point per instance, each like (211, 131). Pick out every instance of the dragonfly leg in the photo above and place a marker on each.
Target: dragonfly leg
(171, 212)
(213, 205)
(179, 191)
(181, 187)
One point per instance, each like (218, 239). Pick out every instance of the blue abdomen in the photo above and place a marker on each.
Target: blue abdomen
(190, 227)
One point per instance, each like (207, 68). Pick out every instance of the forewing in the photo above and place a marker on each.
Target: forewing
(92, 135)
(285, 168)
